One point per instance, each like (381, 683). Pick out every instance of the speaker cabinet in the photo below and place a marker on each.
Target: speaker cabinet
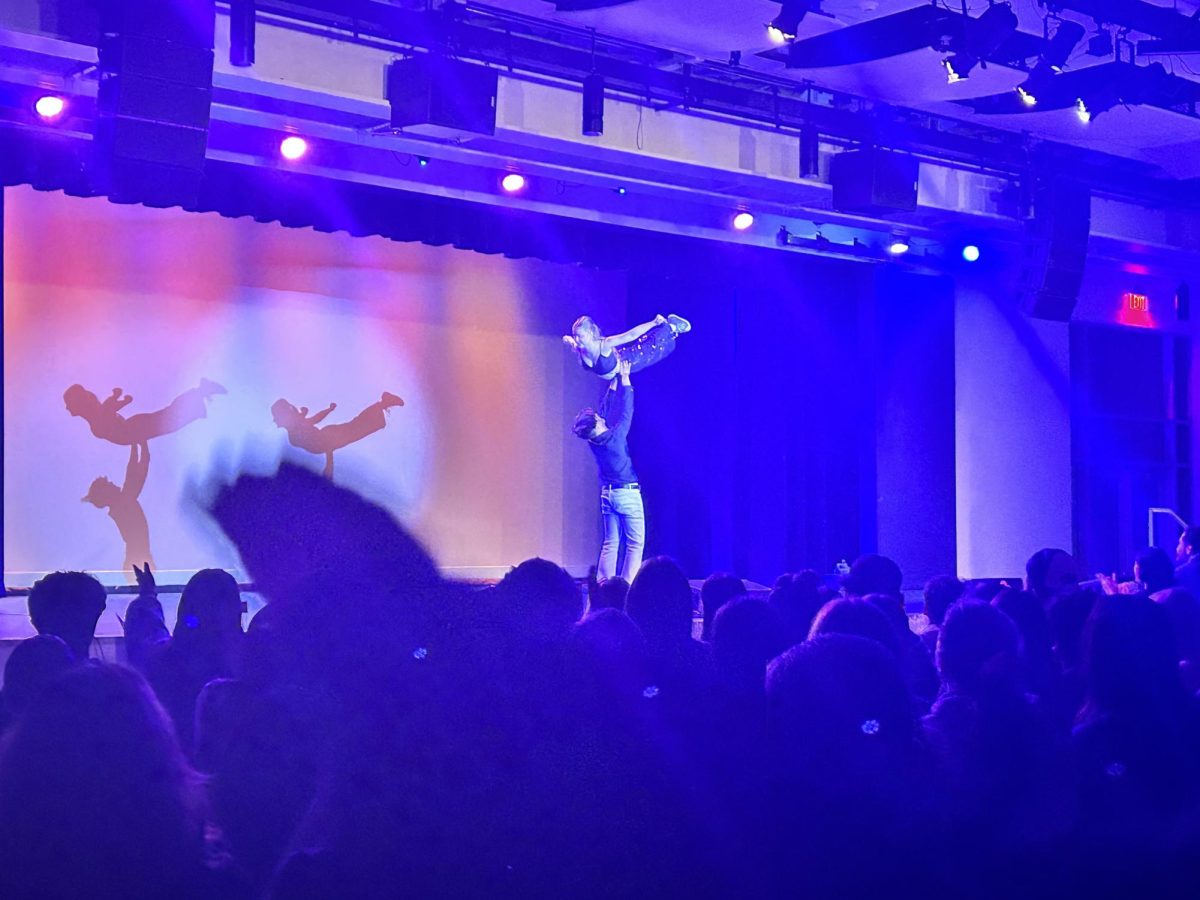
(439, 97)
(1056, 247)
(874, 181)
(155, 95)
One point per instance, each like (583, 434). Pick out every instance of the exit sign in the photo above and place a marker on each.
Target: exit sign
(1137, 302)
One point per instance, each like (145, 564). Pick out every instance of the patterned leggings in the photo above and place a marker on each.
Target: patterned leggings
(653, 346)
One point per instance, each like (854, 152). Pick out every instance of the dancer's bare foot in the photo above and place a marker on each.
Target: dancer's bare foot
(389, 400)
(679, 324)
(208, 388)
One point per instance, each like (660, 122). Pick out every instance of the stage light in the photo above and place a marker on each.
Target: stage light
(241, 33)
(622, 191)
(982, 38)
(1089, 106)
(422, 161)
(959, 66)
(1051, 62)
(898, 245)
(970, 253)
(293, 147)
(810, 151)
(785, 25)
(742, 221)
(50, 106)
(513, 183)
(593, 105)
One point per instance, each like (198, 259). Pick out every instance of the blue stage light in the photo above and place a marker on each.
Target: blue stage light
(970, 253)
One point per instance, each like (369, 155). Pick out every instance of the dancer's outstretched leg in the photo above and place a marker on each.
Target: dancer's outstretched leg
(655, 345)
(188, 407)
(370, 420)
(679, 323)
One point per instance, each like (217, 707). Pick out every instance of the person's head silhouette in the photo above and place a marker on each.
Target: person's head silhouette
(80, 401)
(102, 493)
(285, 414)
(68, 604)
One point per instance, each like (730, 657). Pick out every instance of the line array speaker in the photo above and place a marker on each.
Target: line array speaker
(1056, 247)
(156, 68)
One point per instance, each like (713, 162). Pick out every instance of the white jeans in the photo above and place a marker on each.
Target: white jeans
(624, 521)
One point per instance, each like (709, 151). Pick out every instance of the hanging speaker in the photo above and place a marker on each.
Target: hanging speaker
(155, 94)
(874, 181)
(436, 96)
(1056, 247)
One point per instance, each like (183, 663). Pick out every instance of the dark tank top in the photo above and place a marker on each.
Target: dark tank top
(604, 365)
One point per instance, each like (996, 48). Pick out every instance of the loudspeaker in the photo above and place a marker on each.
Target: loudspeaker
(1056, 246)
(440, 97)
(872, 181)
(156, 65)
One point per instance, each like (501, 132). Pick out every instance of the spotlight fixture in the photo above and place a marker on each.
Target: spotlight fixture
(1093, 103)
(513, 183)
(1051, 62)
(898, 245)
(422, 161)
(810, 151)
(1126, 84)
(743, 220)
(970, 253)
(50, 106)
(593, 105)
(293, 147)
(241, 33)
(959, 66)
(785, 25)
(983, 36)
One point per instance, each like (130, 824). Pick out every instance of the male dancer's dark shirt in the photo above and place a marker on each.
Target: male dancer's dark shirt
(611, 449)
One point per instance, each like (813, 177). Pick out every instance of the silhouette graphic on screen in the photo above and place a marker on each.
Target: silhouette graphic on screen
(123, 506)
(302, 430)
(106, 422)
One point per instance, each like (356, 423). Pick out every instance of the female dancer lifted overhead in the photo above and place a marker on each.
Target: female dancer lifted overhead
(641, 346)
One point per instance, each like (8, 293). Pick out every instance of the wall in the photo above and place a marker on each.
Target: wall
(479, 462)
(1012, 430)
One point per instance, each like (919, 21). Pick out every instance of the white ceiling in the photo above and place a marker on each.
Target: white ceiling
(711, 29)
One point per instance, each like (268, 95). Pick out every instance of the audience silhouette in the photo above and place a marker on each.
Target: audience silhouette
(378, 731)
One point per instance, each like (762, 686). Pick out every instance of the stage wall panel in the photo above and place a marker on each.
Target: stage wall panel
(479, 461)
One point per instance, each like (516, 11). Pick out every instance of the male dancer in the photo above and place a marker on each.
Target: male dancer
(123, 506)
(607, 434)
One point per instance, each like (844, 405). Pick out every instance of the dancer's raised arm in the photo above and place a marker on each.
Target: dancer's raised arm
(116, 401)
(137, 470)
(628, 337)
(317, 418)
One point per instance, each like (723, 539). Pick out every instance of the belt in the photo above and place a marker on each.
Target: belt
(633, 486)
